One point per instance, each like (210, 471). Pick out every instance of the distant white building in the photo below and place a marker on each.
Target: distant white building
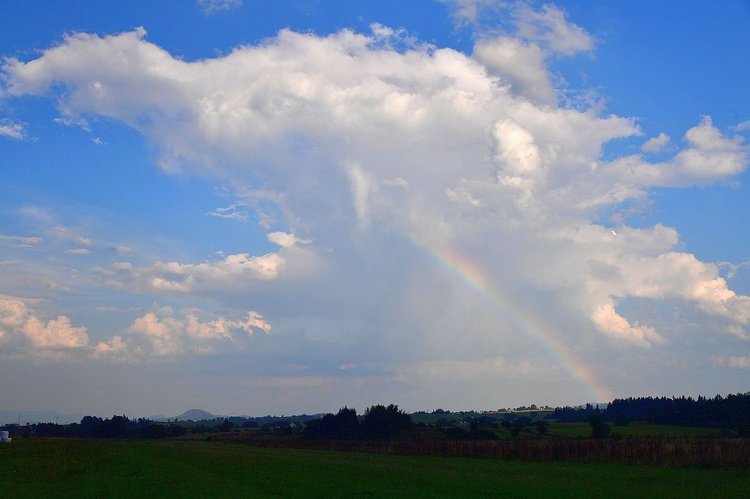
(4, 438)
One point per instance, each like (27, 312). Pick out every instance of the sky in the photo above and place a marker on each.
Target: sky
(259, 207)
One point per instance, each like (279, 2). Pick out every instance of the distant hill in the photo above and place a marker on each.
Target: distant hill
(196, 415)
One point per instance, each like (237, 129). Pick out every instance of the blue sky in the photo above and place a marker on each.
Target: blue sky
(283, 207)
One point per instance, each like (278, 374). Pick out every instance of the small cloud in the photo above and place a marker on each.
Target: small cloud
(56, 286)
(397, 182)
(21, 241)
(550, 27)
(67, 121)
(265, 220)
(732, 362)
(20, 321)
(743, 127)
(547, 27)
(104, 308)
(286, 240)
(124, 250)
(732, 268)
(467, 12)
(13, 129)
(173, 277)
(78, 251)
(211, 6)
(737, 332)
(69, 234)
(656, 144)
(98, 141)
(231, 212)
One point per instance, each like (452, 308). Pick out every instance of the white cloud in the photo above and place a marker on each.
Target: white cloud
(232, 273)
(681, 275)
(518, 56)
(313, 132)
(21, 241)
(737, 332)
(469, 11)
(159, 333)
(56, 333)
(733, 268)
(709, 157)
(547, 27)
(515, 150)
(212, 6)
(66, 234)
(656, 144)
(124, 250)
(174, 277)
(732, 362)
(231, 212)
(550, 27)
(609, 321)
(286, 240)
(13, 129)
(397, 182)
(18, 322)
(78, 251)
(520, 63)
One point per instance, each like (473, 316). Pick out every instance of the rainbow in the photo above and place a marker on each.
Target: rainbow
(532, 327)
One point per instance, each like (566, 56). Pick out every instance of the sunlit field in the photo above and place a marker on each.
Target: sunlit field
(36, 467)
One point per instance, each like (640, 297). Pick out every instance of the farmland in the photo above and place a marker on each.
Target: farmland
(38, 467)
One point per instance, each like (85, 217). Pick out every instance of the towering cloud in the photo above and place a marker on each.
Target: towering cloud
(365, 155)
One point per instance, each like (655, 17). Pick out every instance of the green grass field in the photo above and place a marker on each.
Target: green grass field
(97, 468)
(636, 429)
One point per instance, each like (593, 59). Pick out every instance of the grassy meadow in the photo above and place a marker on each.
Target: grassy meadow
(636, 430)
(46, 467)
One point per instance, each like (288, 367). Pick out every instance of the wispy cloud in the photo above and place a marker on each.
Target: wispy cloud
(78, 251)
(213, 6)
(13, 129)
(124, 250)
(732, 362)
(22, 241)
(231, 212)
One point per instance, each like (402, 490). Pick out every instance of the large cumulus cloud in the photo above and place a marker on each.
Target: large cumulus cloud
(361, 150)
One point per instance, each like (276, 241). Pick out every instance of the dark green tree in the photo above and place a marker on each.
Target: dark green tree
(599, 427)
(542, 427)
(382, 422)
(347, 424)
(226, 425)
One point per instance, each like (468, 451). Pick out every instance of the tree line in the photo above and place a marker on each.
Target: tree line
(378, 422)
(95, 427)
(731, 412)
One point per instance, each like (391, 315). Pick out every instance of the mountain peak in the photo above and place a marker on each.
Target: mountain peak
(195, 415)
